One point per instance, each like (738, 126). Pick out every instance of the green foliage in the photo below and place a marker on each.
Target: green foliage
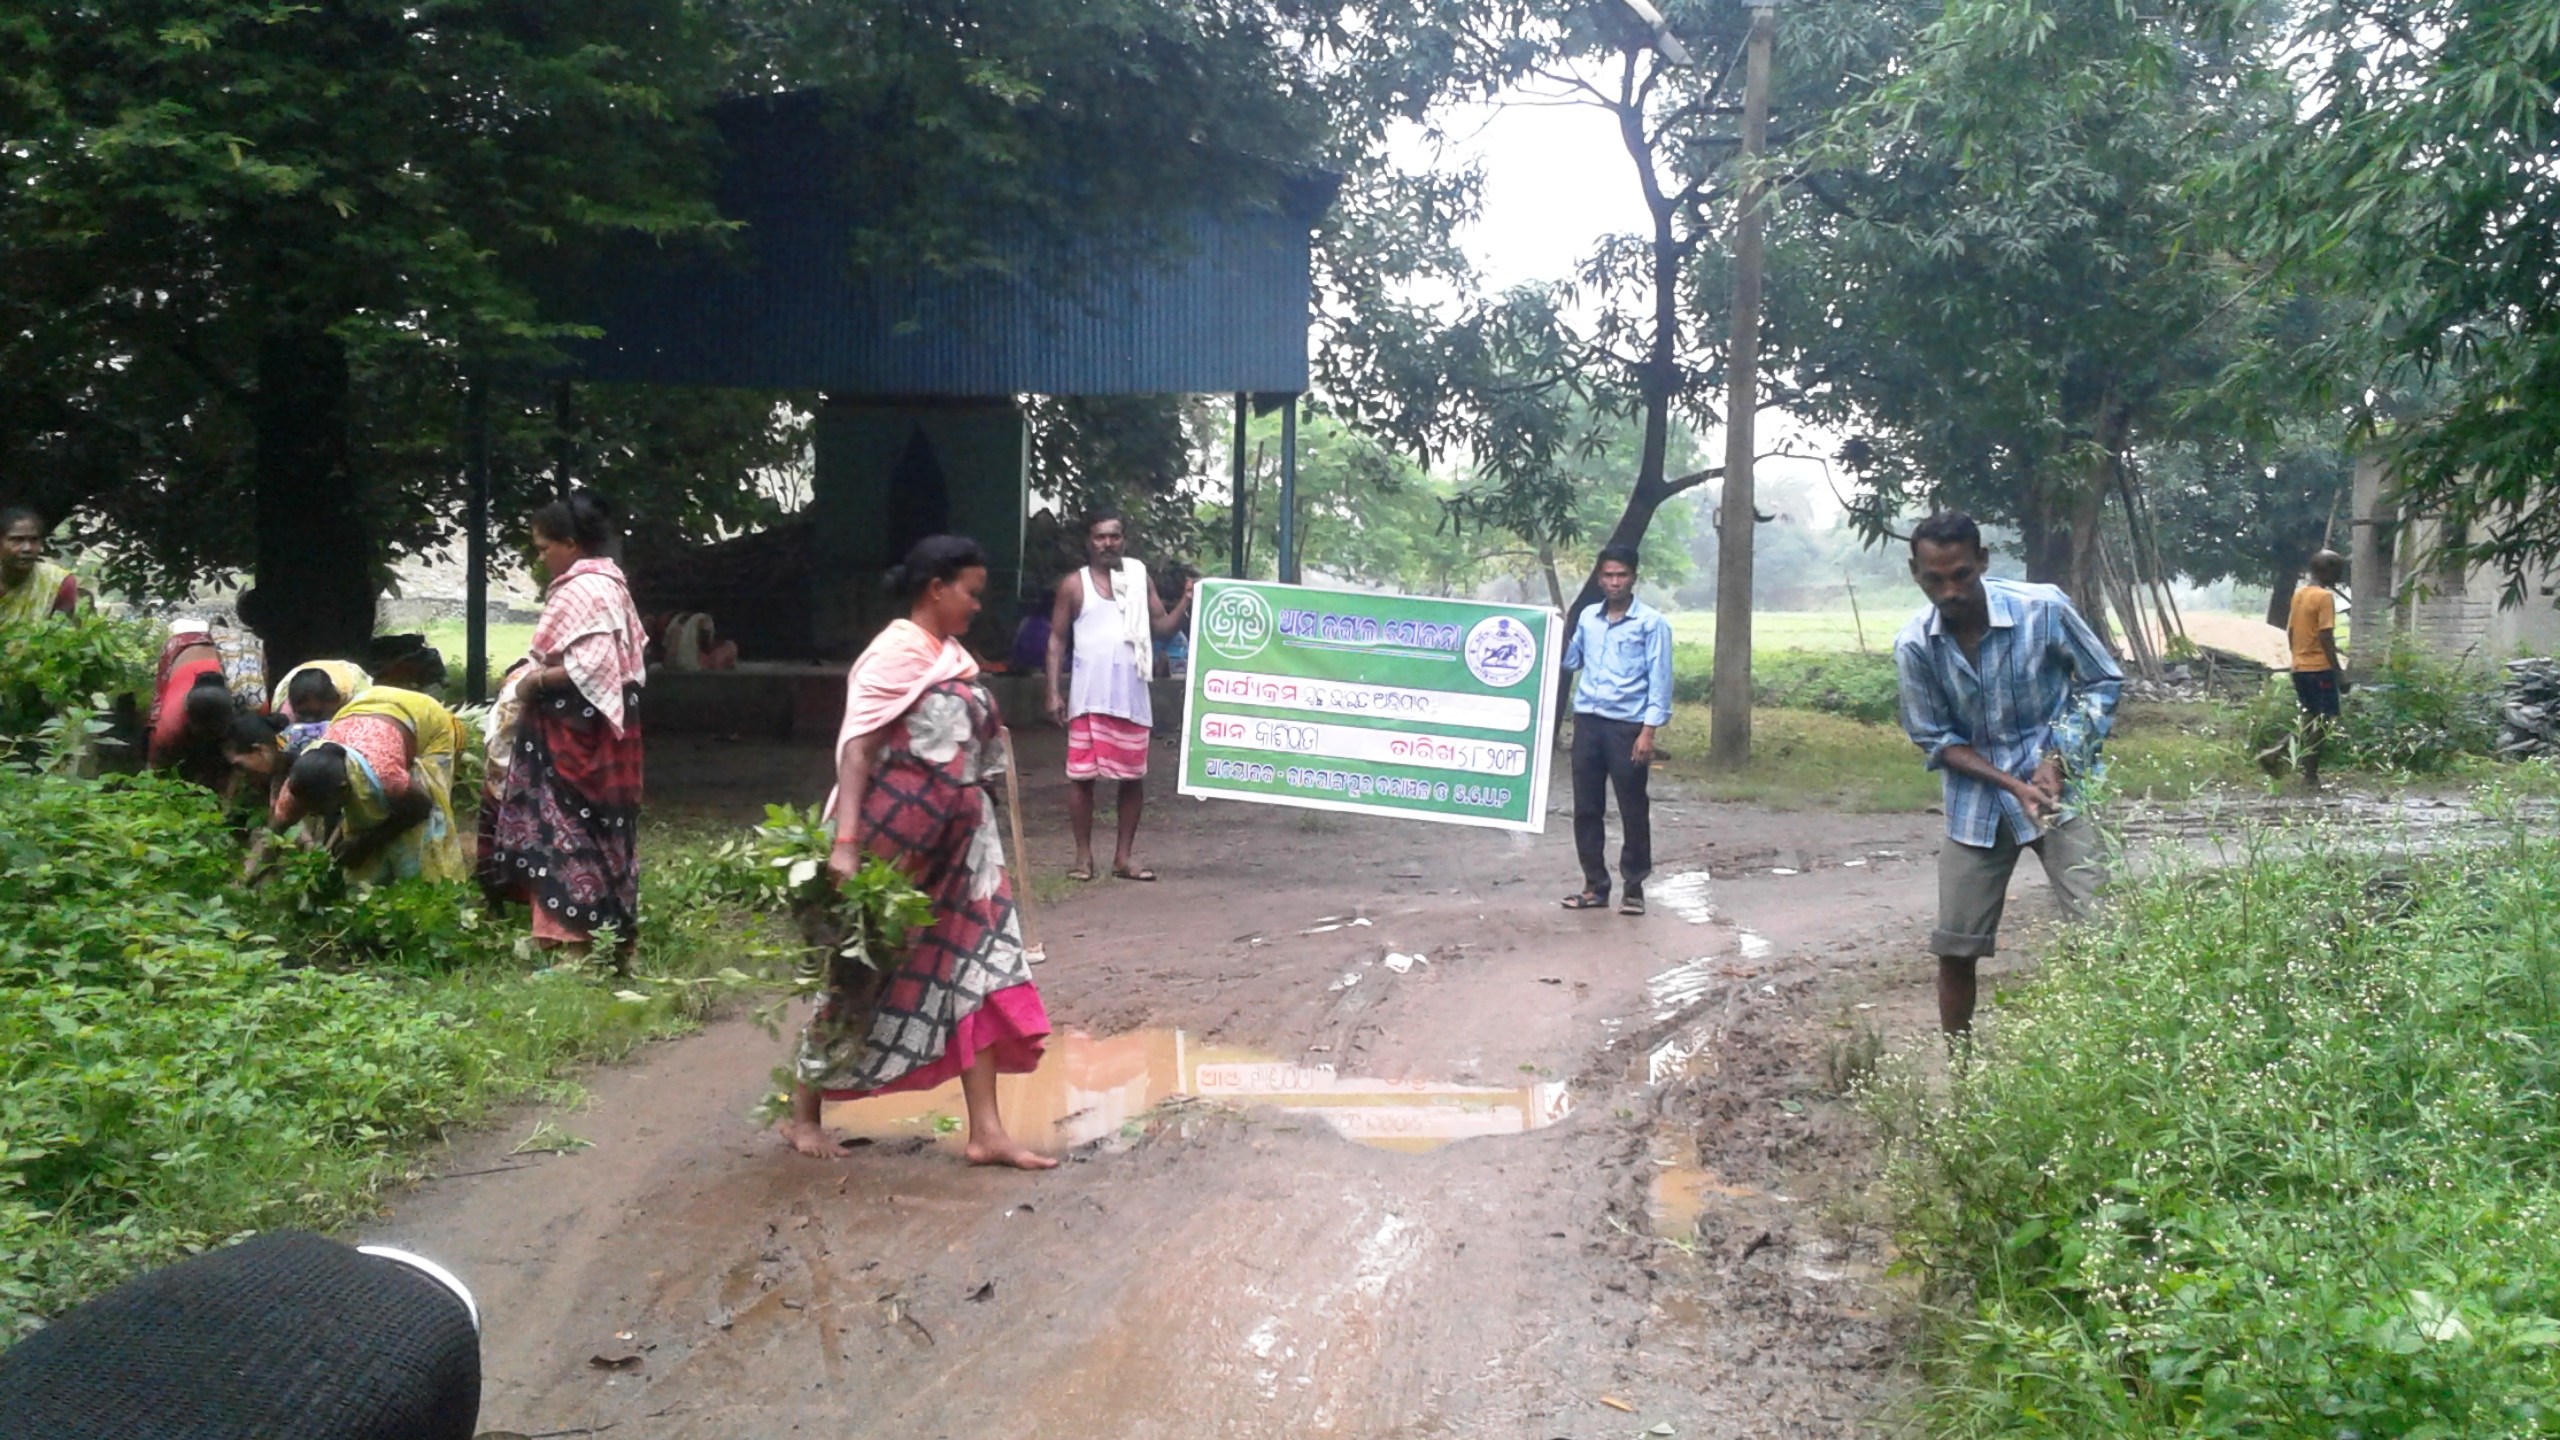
(86, 660)
(1859, 686)
(182, 1058)
(872, 911)
(2249, 511)
(2414, 716)
(2411, 183)
(1852, 684)
(1998, 237)
(2269, 1155)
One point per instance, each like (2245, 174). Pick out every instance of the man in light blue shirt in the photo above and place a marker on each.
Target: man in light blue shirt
(1621, 649)
(2008, 693)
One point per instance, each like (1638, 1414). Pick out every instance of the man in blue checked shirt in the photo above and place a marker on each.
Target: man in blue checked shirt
(1622, 649)
(2008, 692)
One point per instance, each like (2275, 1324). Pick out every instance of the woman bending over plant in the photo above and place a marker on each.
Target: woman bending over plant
(385, 765)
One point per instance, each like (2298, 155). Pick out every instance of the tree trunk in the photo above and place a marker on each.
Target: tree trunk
(1547, 563)
(2282, 577)
(2059, 530)
(314, 573)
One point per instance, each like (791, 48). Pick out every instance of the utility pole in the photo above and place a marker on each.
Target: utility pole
(1289, 491)
(475, 539)
(1729, 747)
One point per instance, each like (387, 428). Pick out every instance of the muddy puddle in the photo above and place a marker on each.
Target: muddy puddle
(1682, 1192)
(1088, 1090)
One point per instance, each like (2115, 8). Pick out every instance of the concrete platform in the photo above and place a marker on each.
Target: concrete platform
(804, 702)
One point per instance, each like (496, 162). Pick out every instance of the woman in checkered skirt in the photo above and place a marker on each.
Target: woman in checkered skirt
(921, 738)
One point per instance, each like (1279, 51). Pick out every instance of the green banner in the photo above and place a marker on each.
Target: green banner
(1384, 704)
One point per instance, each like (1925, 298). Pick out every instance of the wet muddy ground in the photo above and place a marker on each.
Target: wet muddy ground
(1365, 1137)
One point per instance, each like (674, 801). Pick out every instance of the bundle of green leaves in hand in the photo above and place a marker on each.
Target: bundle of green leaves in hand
(855, 931)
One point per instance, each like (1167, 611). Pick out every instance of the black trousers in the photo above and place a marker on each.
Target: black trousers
(1604, 758)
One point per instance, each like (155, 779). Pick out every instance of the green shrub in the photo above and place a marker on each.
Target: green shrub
(2271, 1155)
(2414, 716)
(183, 1058)
(1859, 686)
(1849, 683)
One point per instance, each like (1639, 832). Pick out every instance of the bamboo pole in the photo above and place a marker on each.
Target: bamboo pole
(1031, 947)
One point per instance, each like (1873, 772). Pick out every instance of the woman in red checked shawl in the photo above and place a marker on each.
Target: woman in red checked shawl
(559, 828)
(921, 738)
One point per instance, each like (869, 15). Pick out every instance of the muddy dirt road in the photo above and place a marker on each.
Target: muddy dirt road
(1649, 1213)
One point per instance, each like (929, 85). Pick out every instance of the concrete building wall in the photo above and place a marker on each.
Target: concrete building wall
(2465, 615)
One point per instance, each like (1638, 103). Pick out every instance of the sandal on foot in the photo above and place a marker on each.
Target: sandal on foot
(1632, 905)
(1081, 872)
(1587, 900)
(1126, 873)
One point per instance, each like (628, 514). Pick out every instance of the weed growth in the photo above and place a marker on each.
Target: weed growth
(2414, 716)
(2270, 1154)
(183, 1059)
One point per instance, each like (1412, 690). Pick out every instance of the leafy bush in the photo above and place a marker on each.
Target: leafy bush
(2273, 1154)
(1859, 686)
(2415, 716)
(182, 1058)
(88, 661)
(1834, 682)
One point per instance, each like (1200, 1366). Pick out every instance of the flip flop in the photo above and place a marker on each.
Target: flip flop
(1587, 900)
(1141, 874)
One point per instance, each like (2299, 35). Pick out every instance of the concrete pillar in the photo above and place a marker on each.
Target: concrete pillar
(2372, 533)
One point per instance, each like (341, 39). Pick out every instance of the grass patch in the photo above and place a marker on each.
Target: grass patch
(507, 644)
(2175, 751)
(2270, 1154)
(183, 1060)
(1811, 760)
(1804, 760)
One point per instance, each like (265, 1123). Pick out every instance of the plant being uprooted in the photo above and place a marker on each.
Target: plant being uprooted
(2272, 1154)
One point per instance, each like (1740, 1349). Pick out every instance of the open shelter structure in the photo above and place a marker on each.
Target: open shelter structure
(919, 427)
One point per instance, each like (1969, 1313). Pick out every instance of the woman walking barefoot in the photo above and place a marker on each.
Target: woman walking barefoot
(921, 737)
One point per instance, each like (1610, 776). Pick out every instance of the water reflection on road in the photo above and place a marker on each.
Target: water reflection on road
(1088, 1089)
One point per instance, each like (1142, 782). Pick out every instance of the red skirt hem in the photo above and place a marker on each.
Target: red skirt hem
(1013, 1024)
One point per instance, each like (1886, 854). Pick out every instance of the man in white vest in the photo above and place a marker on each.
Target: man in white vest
(1109, 614)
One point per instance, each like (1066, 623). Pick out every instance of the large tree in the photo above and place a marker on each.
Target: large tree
(2247, 510)
(2420, 179)
(255, 248)
(2001, 237)
(1542, 385)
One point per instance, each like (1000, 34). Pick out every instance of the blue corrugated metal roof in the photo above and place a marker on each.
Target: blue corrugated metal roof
(1226, 312)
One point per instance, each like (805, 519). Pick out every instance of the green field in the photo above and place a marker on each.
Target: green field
(507, 644)
(1802, 629)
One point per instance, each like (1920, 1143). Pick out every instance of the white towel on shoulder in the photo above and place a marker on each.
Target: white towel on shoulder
(1129, 588)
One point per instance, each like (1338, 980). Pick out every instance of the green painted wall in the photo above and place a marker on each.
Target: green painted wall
(890, 472)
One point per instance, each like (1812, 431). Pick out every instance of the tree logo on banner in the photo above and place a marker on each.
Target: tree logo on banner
(1237, 624)
(1500, 651)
